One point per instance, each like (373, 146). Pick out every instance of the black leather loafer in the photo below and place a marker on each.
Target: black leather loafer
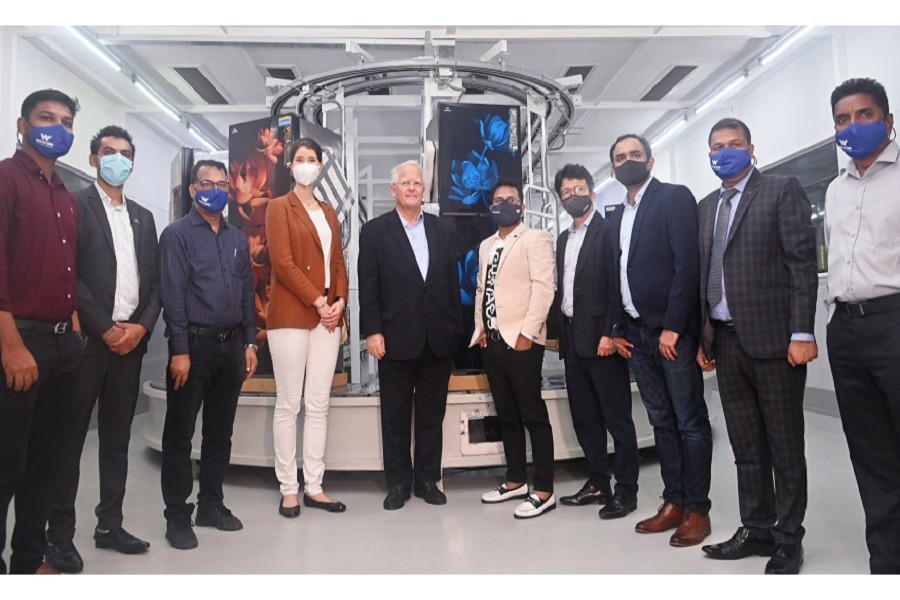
(64, 557)
(396, 498)
(618, 507)
(786, 560)
(119, 540)
(335, 507)
(588, 494)
(430, 493)
(741, 545)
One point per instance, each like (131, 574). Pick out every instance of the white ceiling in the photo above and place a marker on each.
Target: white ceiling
(627, 62)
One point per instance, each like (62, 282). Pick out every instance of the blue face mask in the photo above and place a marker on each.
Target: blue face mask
(213, 200)
(115, 169)
(729, 162)
(52, 141)
(860, 140)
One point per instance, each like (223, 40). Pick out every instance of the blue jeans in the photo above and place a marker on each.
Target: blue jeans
(672, 393)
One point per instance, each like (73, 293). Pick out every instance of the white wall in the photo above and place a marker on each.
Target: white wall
(28, 69)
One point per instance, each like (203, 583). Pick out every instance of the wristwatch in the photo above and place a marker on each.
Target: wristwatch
(254, 346)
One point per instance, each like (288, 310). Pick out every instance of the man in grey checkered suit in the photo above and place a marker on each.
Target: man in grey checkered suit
(758, 286)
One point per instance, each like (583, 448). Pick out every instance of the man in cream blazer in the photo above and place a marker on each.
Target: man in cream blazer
(516, 281)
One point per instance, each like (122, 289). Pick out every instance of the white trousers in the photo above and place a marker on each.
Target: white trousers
(297, 353)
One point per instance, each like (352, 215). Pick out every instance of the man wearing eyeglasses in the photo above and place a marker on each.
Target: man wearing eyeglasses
(206, 287)
(411, 315)
(512, 299)
(597, 378)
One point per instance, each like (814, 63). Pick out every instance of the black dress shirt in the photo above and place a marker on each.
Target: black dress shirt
(206, 279)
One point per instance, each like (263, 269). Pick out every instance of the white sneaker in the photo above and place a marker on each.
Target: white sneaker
(502, 494)
(534, 506)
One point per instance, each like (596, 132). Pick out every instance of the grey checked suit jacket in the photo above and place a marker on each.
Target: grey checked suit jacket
(769, 265)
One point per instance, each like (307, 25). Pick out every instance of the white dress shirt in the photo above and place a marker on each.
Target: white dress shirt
(418, 241)
(324, 231)
(862, 230)
(570, 261)
(625, 244)
(128, 279)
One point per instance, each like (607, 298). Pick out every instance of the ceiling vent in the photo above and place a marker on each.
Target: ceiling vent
(200, 84)
(282, 73)
(665, 85)
(583, 70)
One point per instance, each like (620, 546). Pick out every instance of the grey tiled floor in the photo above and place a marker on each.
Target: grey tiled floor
(466, 536)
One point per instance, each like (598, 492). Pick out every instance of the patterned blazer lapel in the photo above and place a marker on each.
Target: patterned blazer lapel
(747, 198)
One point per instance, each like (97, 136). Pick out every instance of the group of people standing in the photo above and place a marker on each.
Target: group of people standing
(665, 285)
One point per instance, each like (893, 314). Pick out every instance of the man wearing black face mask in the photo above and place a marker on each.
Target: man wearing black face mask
(862, 219)
(654, 237)
(512, 299)
(40, 351)
(758, 287)
(596, 376)
(206, 288)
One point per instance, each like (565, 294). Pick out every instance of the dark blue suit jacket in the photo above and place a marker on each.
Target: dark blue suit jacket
(663, 260)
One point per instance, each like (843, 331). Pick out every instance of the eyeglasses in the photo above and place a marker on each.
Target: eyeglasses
(578, 190)
(511, 199)
(412, 184)
(207, 185)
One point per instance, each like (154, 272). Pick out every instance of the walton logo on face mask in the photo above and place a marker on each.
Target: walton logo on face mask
(860, 140)
(53, 141)
(729, 162)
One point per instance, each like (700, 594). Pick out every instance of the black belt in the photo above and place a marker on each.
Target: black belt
(639, 322)
(493, 335)
(869, 307)
(58, 328)
(218, 334)
(729, 325)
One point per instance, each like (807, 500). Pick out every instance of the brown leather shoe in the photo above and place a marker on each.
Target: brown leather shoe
(693, 529)
(668, 517)
(45, 569)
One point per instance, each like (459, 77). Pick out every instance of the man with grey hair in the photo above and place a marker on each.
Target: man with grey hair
(411, 315)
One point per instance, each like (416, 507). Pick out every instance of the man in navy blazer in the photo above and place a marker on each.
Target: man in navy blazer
(654, 234)
(411, 315)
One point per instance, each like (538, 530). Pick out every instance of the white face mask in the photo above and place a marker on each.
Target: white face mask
(305, 173)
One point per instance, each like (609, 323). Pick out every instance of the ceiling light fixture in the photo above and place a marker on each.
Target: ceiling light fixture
(784, 44)
(721, 93)
(202, 139)
(159, 102)
(96, 48)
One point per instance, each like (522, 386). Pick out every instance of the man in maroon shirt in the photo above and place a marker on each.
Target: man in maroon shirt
(40, 343)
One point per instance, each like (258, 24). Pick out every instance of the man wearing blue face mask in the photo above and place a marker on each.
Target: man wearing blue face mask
(40, 351)
(206, 286)
(862, 225)
(118, 300)
(513, 296)
(758, 288)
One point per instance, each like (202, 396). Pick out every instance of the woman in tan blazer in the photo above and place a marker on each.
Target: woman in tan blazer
(309, 291)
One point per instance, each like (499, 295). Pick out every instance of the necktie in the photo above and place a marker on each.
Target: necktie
(714, 281)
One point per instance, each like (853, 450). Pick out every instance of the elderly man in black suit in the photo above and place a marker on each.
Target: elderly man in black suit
(118, 303)
(758, 285)
(654, 234)
(410, 313)
(597, 378)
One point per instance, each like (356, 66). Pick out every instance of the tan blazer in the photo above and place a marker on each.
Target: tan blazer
(523, 288)
(298, 263)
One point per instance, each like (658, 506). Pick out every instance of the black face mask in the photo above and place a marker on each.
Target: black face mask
(632, 172)
(577, 206)
(506, 213)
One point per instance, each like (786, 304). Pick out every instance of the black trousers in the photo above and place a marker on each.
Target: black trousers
(112, 382)
(600, 400)
(864, 352)
(407, 384)
(31, 425)
(515, 380)
(214, 382)
(763, 404)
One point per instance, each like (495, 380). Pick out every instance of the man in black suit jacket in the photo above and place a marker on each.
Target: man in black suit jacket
(410, 313)
(758, 287)
(118, 305)
(597, 378)
(654, 236)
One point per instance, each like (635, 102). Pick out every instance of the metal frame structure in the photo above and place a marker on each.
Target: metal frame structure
(549, 109)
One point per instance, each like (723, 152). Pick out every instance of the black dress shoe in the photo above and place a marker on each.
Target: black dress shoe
(588, 494)
(786, 560)
(741, 545)
(618, 507)
(396, 498)
(430, 493)
(334, 506)
(119, 540)
(291, 512)
(64, 557)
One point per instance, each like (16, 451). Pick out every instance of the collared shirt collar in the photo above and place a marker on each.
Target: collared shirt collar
(638, 196)
(406, 223)
(585, 224)
(740, 186)
(34, 168)
(197, 219)
(890, 154)
(107, 201)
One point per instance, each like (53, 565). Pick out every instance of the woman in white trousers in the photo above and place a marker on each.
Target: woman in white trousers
(308, 297)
